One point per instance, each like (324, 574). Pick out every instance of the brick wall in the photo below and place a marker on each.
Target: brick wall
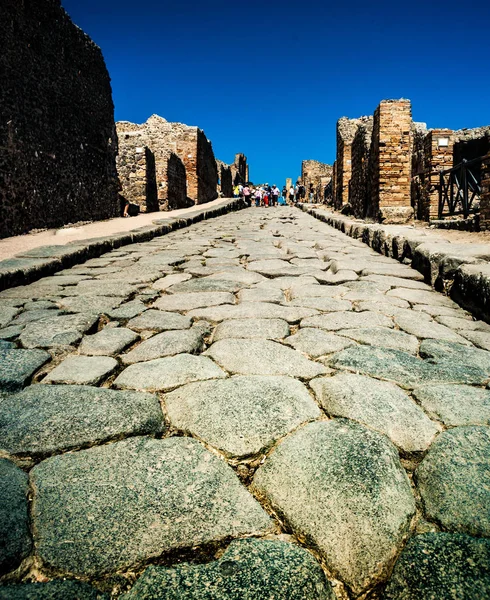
(315, 176)
(390, 162)
(239, 169)
(57, 136)
(359, 188)
(225, 178)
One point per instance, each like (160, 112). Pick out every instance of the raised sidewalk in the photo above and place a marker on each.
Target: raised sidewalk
(460, 270)
(37, 259)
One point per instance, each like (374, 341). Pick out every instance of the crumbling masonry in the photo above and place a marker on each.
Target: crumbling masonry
(316, 177)
(58, 143)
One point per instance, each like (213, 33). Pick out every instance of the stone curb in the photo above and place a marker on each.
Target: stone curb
(40, 262)
(460, 270)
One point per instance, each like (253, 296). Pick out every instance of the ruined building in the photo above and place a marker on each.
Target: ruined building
(185, 168)
(359, 189)
(346, 129)
(239, 170)
(316, 177)
(57, 136)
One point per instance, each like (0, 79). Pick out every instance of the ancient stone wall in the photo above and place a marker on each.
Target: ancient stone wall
(485, 196)
(57, 137)
(359, 188)
(207, 173)
(346, 130)
(471, 143)
(315, 176)
(239, 169)
(390, 162)
(225, 179)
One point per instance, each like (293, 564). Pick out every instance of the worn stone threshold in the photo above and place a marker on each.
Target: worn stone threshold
(30, 266)
(461, 271)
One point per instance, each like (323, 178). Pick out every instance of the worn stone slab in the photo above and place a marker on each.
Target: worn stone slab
(11, 332)
(342, 487)
(479, 338)
(317, 291)
(456, 492)
(397, 282)
(269, 329)
(62, 330)
(17, 366)
(455, 405)
(316, 342)
(331, 278)
(347, 320)
(383, 337)
(404, 369)
(248, 570)
(434, 566)
(379, 405)
(386, 308)
(261, 295)
(191, 300)
(7, 313)
(15, 536)
(163, 374)
(422, 297)
(322, 304)
(90, 304)
(107, 342)
(165, 282)
(82, 370)
(94, 287)
(205, 284)
(441, 350)
(129, 310)
(241, 416)
(238, 275)
(29, 316)
(252, 310)
(463, 323)
(46, 419)
(427, 329)
(57, 589)
(276, 267)
(159, 320)
(285, 283)
(262, 357)
(107, 508)
(167, 343)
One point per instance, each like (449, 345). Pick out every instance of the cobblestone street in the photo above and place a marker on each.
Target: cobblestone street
(256, 406)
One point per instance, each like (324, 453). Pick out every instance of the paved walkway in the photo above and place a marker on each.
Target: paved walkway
(254, 407)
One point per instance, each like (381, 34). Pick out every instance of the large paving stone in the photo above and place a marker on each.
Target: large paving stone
(262, 357)
(82, 370)
(427, 329)
(57, 331)
(380, 405)
(454, 480)
(455, 404)
(405, 369)
(93, 287)
(238, 275)
(347, 320)
(276, 268)
(397, 282)
(317, 291)
(248, 570)
(169, 280)
(108, 342)
(11, 332)
(341, 487)
(316, 342)
(191, 300)
(7, 313)
(163, 374)
(322, 303)
(479, 338)
(129, 310)
(241, 416)
(385, 338)
(18, 366)
(252, 310)
(15, 540)
(440, 566)
(285, 283)
(422, 297)
(258, 294)
(89, 304)
(159, 320)
(29, 316)
(441, 351)
(167, 343)
(269, 329)
(107, 508)
(52, 590)
(44, 419)
(204, 284)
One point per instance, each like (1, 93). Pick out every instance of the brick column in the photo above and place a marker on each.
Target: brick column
(485, 195)
(391, 157)
(346, 130)
(439, 144)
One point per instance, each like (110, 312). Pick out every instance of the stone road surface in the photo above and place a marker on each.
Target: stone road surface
(256, 407)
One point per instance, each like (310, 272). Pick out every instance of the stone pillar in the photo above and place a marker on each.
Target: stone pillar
(391, 162)
(439, 144)
(485, 194)
(359, 188)
(289, 183)
(334, 183)
(346, 130)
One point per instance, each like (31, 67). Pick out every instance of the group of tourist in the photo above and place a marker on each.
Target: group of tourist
(266, 195)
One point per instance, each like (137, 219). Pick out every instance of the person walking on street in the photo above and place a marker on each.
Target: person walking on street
(291, 195)
(246, 195)
(275, 195)
(284, 195)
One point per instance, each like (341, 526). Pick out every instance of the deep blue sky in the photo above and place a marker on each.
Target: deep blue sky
(270, 79)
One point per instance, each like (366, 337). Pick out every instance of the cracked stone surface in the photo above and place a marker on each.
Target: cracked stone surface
(87, 528)
(357, 493)
(261, 351)
(249, 569)
(241, 416)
